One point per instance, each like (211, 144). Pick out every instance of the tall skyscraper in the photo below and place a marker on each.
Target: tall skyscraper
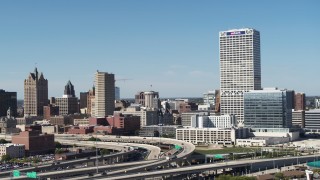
(104, 94)
(240, 69)
(69, 89)
(68, 103)
(35, 94)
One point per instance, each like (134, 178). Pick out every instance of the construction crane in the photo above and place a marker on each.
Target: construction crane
(124, 80)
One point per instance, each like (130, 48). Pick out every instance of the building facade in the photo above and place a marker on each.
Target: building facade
(312, 119)
(90, 100)
(117, 93)
(8, 123)
(35, 94)
(50, 110)
(147, 117)
(128, 123)
(13, 150)
(104, 94)
(298, 119)
(240, 68)
(83, 99)
(190, 119)
(35, 143)
(300, 101)
(8, 100)
(209, 97)
(223, 121)
(211, 135)
(267, 109)
(67, 105)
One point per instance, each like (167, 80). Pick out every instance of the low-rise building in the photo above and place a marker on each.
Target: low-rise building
(35, 143)
(211, 135)
(147, 117)
(13, 150)
(81, 122)
(8, 123)
(80, 130)
(164, 131)
(262, 141)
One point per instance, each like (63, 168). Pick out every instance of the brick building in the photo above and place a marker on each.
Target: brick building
(35, 143)
(128, 123)
(93, 121)
(49, 111)
(80, 130)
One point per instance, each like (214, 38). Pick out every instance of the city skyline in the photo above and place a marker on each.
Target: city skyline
(165, 44)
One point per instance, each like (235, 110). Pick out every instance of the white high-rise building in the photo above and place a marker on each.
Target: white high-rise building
(240, 68)
(104, 94)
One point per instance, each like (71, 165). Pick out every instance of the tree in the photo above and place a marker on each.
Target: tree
(104, 151)
(278, 176)
(3, 141)
(59, 151)
(94, 139)
(58, 145)
(5, 157)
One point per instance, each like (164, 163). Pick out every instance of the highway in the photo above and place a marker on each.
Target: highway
(87, 170)
(249, 164)
(122, 145)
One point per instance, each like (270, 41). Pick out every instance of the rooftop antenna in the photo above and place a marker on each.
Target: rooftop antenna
(151, 87)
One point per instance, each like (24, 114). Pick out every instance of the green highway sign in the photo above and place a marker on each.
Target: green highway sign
(32, 174)
(16, 173)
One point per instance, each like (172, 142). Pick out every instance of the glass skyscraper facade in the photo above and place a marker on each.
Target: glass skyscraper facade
(240, 68)
(267, 109)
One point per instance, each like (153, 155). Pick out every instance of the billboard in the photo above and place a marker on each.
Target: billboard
(235, 33)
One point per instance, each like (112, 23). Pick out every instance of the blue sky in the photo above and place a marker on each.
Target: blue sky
(169, 44)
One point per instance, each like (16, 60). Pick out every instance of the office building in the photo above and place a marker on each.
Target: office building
(35, 94)
(147, 117)
(50, 110)
(13, 150)
(83, 99)
(211, 135)
(267, 108)
(68, 103)
(223, 121)
(128, 124)
(8, 100)
(148, 99)
(300, 101)
(298, 119)
(217, 102)
(117, 93)
(90, 101)
(209, 98)
(190, 119)
(164, 131)
(69, 90)
(312, 119)
(104, 94)
(240, 69)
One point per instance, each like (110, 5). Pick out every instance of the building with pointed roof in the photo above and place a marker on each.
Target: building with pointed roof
(35, 94)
